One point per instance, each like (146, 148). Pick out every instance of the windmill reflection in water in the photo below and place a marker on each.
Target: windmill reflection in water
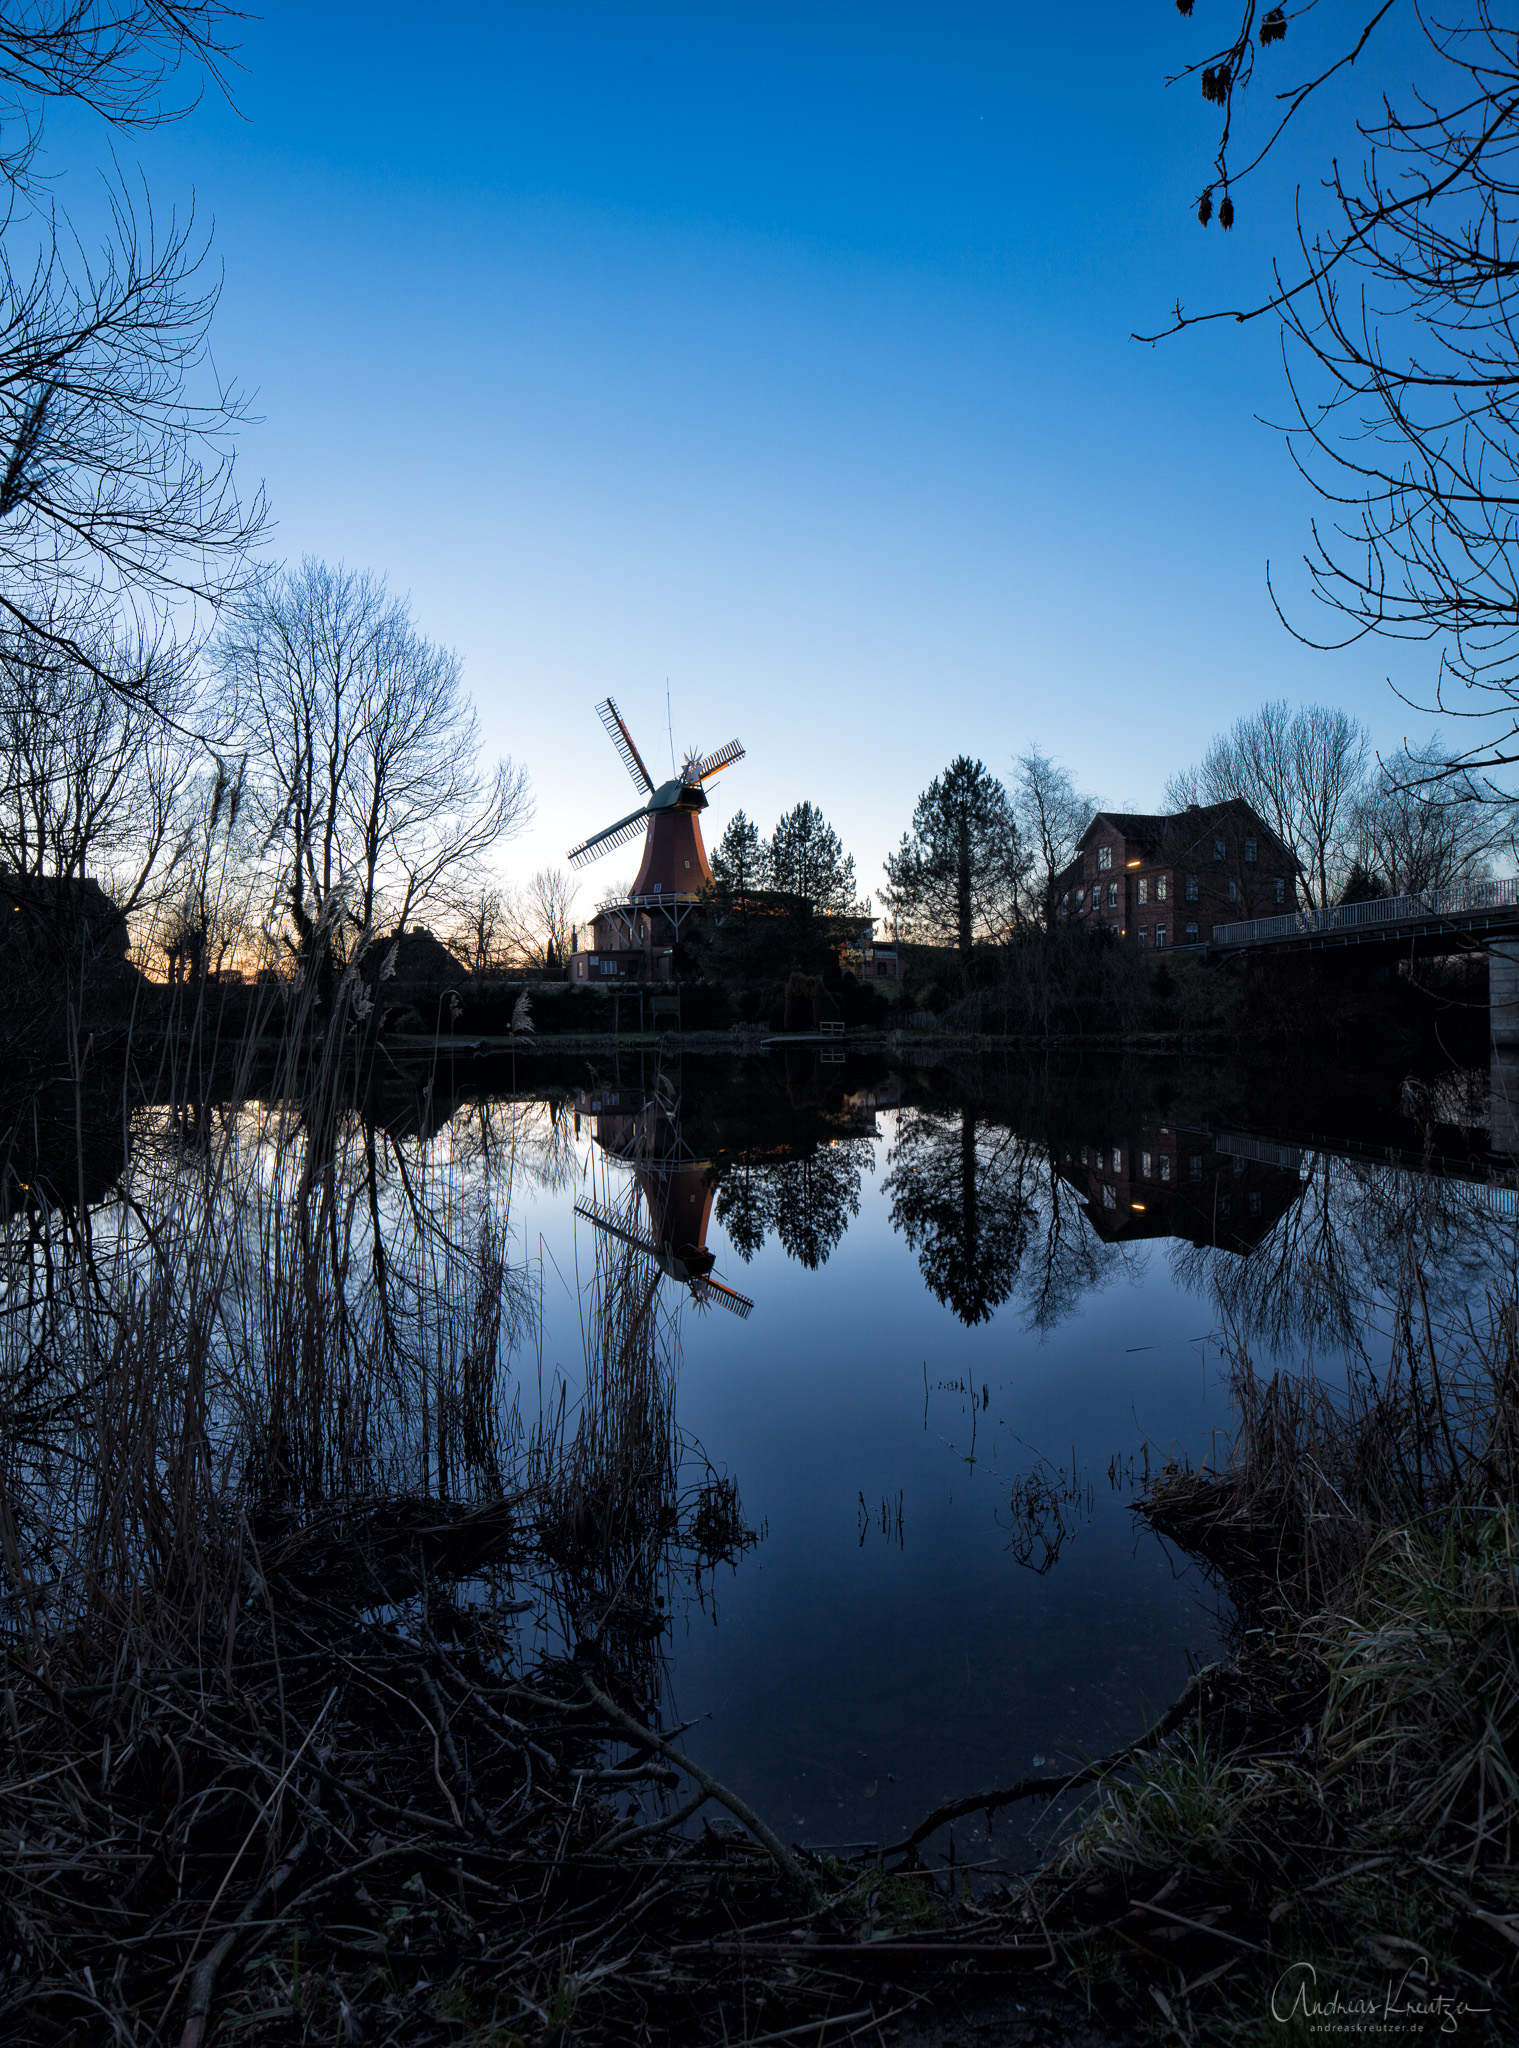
(675, 1188)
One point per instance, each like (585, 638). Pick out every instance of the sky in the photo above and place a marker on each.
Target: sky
(769, 368)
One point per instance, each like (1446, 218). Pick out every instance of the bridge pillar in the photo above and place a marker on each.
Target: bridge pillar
(1503, 1025)
(1503, 991)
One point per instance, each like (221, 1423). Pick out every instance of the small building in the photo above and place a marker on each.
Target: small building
(866, 959)
(1158, 880)
(627, 942)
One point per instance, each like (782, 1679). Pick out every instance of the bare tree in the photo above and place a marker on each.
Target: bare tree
(1421, 825)
(214, 902)
(92, 785)
(1399, 308)
(482, 927)
(543, 916)
(1302, 773)
(1051, 815)
(363, 749)
(117, 500)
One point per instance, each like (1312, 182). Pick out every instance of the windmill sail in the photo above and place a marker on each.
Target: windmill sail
(615, 835)
(613, 1228)
(622, 740)
(710, 764)
(703, 1291)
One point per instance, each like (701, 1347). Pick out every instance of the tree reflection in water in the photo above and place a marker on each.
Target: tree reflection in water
(1330, 1273)
(964, 1203)
(809, 1200)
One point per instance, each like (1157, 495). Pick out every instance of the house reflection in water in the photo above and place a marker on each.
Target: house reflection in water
(1164, 1180)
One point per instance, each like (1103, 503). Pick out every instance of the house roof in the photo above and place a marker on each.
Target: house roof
(1157, 828)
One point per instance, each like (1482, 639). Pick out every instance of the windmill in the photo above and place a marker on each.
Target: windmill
(691, 1264)
(677, 1195)
(674, 861)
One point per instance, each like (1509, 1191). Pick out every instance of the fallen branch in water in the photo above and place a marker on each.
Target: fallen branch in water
(1050, 1787)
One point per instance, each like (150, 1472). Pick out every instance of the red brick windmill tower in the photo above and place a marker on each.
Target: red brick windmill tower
(674, 870)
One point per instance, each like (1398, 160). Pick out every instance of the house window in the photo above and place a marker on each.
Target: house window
(1065, 907)
(1223, 1205)
(1112, 895)
(1160, 935)
(1144, 890)
(1144, 1164)
(1144, 935)
(1233, 890)
(1165, 1166)
(1250, 849)
(1109, 1196)
(1104, 856)
(1117, 1160)
(1160, 888)
(1191, 890)
(1081, 901)
(1195, 1166)
(1279, 889)
(1191, 934)
(1218, 846)
(1255, 1201)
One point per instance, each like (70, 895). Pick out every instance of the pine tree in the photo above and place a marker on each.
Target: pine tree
(741, 859)
(955, 877)
(808, 860)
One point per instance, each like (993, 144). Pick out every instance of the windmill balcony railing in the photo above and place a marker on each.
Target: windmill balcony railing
(1460, 899)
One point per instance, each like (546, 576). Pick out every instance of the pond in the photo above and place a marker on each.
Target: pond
(984, 1304)
(882, 1355)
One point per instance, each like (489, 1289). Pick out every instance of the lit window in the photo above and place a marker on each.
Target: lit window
(1112, 895)
(1279, 889)
(1081, 901)
(1144, 890)
(1104, 856)
(1218, 846)
(1191, 888)
(1160, 888)
(1250, 849)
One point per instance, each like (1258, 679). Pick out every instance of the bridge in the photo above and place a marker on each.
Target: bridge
(1435, 922)
(1462, 917)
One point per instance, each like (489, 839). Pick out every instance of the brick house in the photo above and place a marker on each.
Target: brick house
(1164, 1181)
(1157, 880)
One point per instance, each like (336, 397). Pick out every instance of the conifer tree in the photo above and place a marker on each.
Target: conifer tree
(955, 877)
(808, 860)
(740, 859)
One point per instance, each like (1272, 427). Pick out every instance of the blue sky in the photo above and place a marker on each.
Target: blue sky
(779, 351)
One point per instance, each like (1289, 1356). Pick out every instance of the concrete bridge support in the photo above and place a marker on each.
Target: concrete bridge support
(1503, 1021)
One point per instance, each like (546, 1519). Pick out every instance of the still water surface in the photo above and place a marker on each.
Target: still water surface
(981, 1303)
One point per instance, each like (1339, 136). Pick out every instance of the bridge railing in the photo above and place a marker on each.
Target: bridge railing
(1461, 899)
